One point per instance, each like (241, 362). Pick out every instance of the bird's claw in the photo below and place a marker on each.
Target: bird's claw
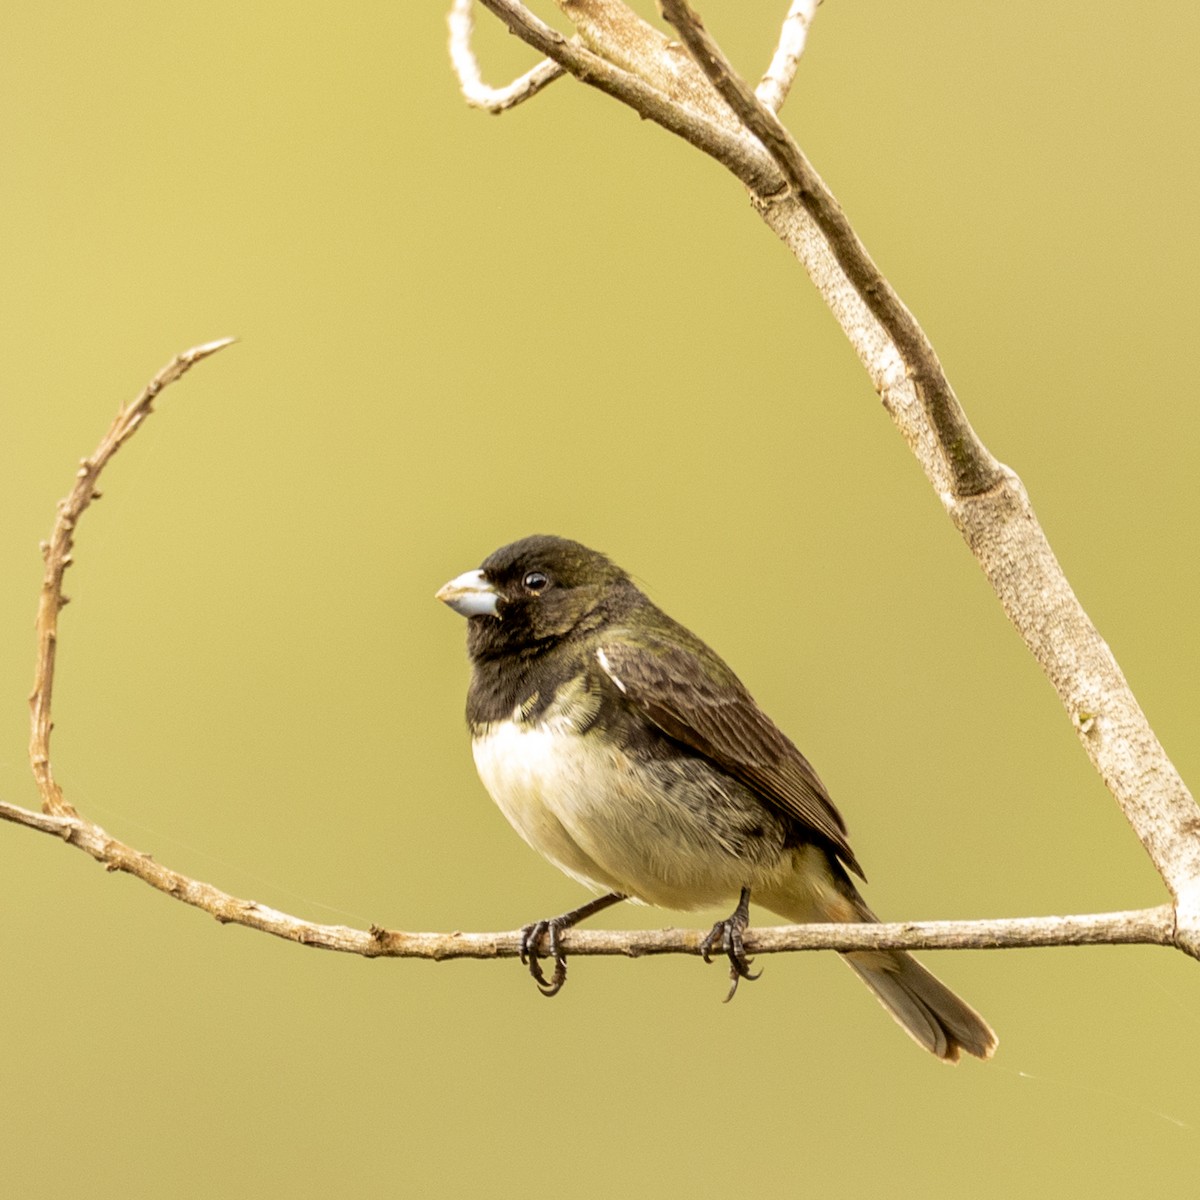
(726, 938)
(552, 930)
(531, 935)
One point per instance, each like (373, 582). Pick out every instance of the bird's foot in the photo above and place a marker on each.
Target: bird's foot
(726, 938)
(551, 930)
(531, 935)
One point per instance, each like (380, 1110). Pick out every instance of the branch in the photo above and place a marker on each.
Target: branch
(774, 86)
(57, 555)
(716, 111)
(466, 66)
(1150, 926)
(972, 467)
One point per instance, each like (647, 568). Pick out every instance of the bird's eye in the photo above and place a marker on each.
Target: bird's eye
(536, 581)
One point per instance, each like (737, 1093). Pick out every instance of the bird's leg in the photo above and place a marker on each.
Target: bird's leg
(726, 936)
(551, 929)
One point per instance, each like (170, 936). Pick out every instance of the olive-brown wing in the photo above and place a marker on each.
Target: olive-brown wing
(696, 699)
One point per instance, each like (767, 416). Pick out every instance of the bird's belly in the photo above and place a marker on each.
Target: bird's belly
(651, 831)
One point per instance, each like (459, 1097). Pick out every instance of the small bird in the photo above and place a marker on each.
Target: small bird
(625, 751)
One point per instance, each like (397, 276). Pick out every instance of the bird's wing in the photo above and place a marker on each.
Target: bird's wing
(709, 710)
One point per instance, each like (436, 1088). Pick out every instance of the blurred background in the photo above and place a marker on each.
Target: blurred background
(458, 329)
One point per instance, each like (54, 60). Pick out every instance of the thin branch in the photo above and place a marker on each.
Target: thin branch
(1151, 926)
(57, 555)
(973, 468)
(666, 87)
(774, 86)
(466, 66)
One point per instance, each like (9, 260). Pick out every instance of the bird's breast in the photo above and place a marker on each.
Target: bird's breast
(664, 829)
(547, 778)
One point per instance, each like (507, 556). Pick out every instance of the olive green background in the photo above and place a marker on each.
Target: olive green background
(458, 329)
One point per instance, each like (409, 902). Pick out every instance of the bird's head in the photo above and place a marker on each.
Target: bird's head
(532, 593)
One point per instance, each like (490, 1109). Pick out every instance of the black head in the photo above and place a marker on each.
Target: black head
(531, 594)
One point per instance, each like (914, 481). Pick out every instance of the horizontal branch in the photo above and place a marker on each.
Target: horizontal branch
(1149, 926)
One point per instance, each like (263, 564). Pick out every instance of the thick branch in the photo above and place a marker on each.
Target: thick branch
(992, 510)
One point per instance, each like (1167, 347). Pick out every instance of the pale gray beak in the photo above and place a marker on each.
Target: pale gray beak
(470, 595)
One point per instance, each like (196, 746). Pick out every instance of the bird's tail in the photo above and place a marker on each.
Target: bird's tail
(924, 1007)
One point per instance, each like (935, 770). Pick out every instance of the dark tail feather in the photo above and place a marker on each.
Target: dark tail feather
(925, 1008)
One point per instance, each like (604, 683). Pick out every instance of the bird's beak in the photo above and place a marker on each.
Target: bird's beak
(470, 595)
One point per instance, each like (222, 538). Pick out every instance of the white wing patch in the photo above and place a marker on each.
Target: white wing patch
(602, 659)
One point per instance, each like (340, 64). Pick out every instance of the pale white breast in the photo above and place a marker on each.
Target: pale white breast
(581, 803)
(541, 776)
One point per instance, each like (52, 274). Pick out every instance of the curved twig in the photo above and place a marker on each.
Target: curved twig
(466, 66)
(57, 555)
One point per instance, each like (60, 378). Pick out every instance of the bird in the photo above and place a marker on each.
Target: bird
(626, 752)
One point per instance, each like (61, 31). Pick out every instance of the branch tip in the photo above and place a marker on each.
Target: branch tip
(207, 348)
(775, 84)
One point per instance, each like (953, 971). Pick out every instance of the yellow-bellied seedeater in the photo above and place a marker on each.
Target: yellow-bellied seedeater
(626, 752)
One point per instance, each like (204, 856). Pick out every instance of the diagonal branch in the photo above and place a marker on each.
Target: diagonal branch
(774, 86)
(470, 81)
(973, 468)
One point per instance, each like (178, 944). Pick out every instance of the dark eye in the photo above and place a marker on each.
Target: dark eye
(536, 581)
